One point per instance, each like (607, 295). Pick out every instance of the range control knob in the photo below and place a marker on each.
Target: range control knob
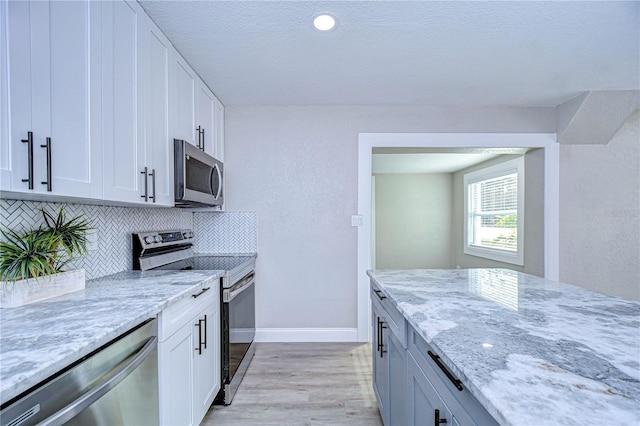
(187, 235)
(157, 239)
(149, 239)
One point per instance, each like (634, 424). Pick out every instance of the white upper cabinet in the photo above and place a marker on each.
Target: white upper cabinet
(197, 115)
(158, 143)
(122, 113)
(205, 121)
(53, 53)
(5, 138)
(138, 161)
(92, 96)
(182, 95)
(218, 141)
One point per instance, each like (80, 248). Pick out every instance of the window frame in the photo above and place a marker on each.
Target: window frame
(497, 170)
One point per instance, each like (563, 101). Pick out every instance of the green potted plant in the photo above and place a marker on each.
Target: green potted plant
(32, 261)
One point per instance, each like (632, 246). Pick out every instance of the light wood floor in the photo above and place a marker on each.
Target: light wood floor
(303, 384)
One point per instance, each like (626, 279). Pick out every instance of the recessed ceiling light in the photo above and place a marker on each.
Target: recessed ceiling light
(324, 22)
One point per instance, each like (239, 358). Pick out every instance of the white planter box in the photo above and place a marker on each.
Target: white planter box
(23, 292)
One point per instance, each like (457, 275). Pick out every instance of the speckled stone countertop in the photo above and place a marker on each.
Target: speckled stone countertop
(39, 339)
(532, 351)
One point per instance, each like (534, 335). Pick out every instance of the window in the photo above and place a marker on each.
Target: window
(494, 198)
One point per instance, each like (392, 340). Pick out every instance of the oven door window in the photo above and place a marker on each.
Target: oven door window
(242, 326)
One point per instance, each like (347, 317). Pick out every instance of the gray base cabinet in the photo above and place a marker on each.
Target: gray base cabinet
(410, 385)
(389, 369)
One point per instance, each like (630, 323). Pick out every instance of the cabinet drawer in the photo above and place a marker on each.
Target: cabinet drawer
(180, 313)
(464, 407)
(395, 321)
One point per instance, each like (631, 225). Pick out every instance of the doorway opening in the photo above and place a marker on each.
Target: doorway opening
(488, 144)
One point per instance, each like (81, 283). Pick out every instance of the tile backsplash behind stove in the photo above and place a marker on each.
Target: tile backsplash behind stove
(216, 232)
(113, 225)
(225, 232)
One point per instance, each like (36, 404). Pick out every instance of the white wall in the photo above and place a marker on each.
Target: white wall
(297, 168)
(413, 220)
(600, 213)
(533, 217)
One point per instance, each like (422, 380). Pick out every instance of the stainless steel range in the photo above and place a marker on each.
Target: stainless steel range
(174, 250)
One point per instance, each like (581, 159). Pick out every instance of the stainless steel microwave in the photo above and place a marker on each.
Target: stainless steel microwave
(198, 177)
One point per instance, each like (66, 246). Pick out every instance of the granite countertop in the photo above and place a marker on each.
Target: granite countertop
(39, 339)
(530, 350)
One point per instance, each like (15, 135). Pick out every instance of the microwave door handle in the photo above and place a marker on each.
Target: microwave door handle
(219, 191)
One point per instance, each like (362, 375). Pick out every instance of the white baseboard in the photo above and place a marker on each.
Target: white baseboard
(306, 335)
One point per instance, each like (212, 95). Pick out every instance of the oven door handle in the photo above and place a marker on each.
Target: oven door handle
(230, 293)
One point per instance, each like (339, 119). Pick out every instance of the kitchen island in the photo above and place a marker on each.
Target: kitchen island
(530, 350)
(39, 339)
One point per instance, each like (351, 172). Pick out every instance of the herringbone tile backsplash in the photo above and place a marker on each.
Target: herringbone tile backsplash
(219, 232)
(113, 226)
(225, 232)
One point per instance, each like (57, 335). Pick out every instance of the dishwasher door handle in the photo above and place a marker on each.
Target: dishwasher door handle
(115, 376)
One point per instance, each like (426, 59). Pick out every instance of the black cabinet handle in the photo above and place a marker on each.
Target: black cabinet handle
(199, 325)
(456, 382)
(381, 327)
(438, 420)
(378, 331)
(205, 332)
(200, 131)
(146, 185)
(200, 293)
(29, 142)
(47, 146)
(378, 293)
(153, 185)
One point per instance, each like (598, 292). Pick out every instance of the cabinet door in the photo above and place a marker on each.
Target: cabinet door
(423, 398)
(122, 114)
(183, 100)
(206, 119)
(175, 368)
(158, 145)
(397, 356)
(380, 363)
(5, 130)
(206, 360)
(54, 93)
(219, 130)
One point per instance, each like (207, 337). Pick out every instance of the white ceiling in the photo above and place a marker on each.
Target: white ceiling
(462, 53)
(426, 163)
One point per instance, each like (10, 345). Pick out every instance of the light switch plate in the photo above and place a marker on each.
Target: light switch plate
(356, 220)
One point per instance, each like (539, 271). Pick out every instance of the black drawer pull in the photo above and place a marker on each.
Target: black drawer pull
(456, 382)
(378, 293)
(437, 419)
(200, 294)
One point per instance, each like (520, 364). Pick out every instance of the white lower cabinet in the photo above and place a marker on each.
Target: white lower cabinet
(189, 357)
(412, 384)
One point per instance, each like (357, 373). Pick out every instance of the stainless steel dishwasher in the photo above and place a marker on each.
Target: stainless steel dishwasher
(115, 385)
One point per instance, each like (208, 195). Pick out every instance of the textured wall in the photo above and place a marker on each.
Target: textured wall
(413, 220)
(600, 213)
(113, 227)
(297, 168)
